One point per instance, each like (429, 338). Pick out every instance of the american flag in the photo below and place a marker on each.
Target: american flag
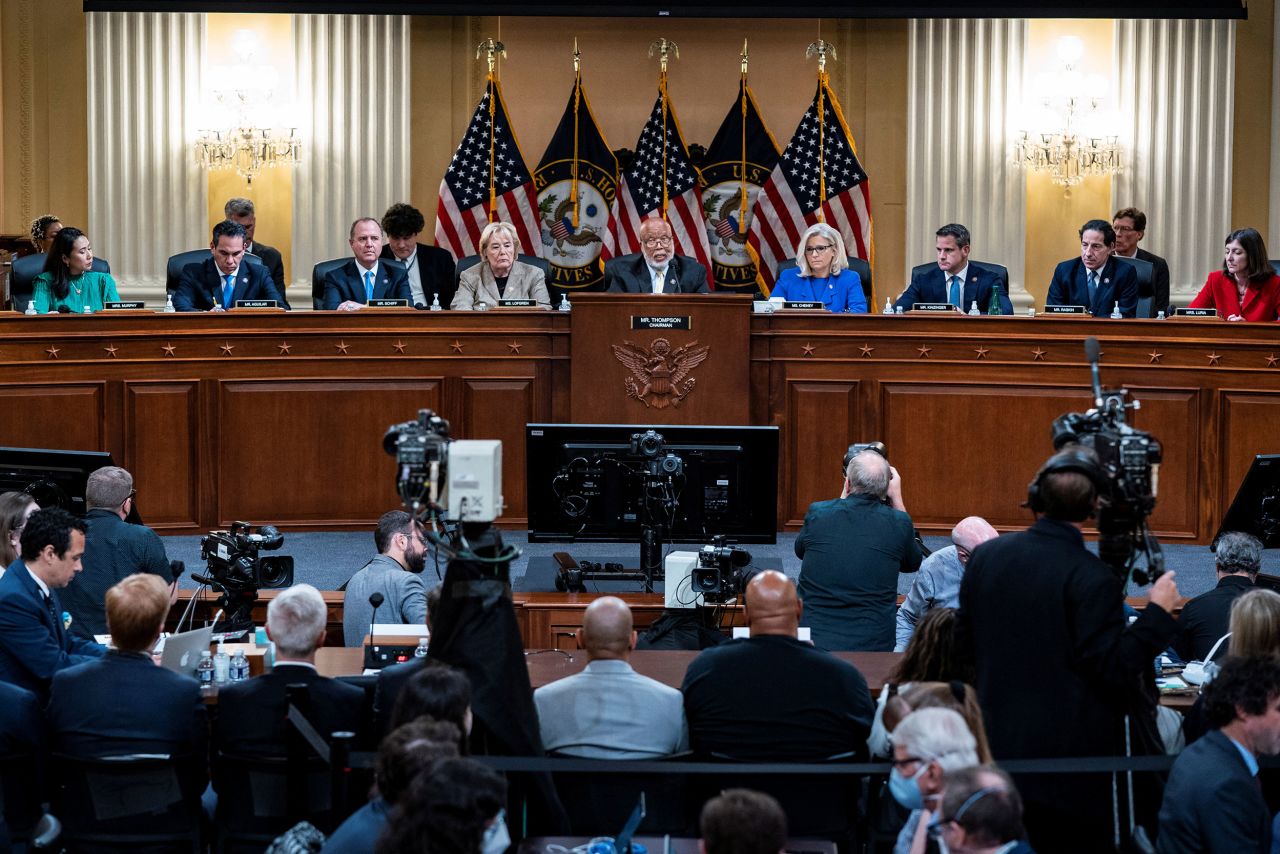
(792, 197)
(464, 206)
(640, 193)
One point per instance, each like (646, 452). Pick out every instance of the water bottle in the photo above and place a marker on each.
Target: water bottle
(87, 310)
(888, 307)
(435, 303)
(564, 303)
(897, 309)
(421, 651)
(1115, 311)
(973, 309)
(221, 667)
(168, 304)
(993, 307)
(204, 670)
(239, 667)
(1159, 315)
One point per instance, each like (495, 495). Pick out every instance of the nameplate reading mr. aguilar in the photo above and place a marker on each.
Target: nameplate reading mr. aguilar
(656, 322)
(257, 303)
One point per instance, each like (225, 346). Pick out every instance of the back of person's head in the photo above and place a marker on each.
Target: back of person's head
(1254, 623)
(1248, 684)
(954, 695)
(607, 628)
(446, 811)
(296, 620)
(868, 474)
(433, 603)
(136, 608)
(13, 517)
(435, 691)
(1064, 488)
(410, 749)
(939, 735)
(402, 220)
(392, 522)
(51, 526)
(986, 805)
(932, 654)
(1238, 553)
(741, 821)
(772, 604)
(107, 488)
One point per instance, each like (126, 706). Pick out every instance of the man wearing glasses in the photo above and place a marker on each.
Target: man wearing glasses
(1130, 225)
(395, 573)
(938, 583)
(113, 550)
(656, 269)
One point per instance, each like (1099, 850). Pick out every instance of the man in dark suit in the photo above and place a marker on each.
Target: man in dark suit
(956, 279)
(351, 286)
(655, 269)
(241, 211)
(1206, 618)
(1095, 279)
(219, 282)
(429, 268)
(123, 703)
(1213, 802)
(252, 715)
(34, 640)
(1130, 225)
(1058, 670)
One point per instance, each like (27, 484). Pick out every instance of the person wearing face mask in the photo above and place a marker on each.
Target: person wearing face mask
(981, 814)
(15, 509)
(457, 808)
(926, 745)
(1247, 288)
(69, 279)
(499, 275)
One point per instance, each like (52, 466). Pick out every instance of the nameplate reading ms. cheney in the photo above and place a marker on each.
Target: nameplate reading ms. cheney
(648, 321)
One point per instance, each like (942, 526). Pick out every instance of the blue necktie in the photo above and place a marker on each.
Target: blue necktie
(228, 290)
(954, 298)
(1093, 287)
(368, 285)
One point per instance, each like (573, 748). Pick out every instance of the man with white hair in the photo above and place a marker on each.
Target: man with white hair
(938, 584)
(852, 549)
(656, 268)
(926, 745)
(252, 715)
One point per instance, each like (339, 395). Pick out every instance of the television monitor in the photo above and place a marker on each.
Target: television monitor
(1256, 507)
(586, 482)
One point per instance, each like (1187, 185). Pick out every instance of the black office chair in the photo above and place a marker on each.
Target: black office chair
(24, 271)
(22, 794)
(1001, 272)
(599, 804)
(857, 265)
(1146, 272)
(259, 798)
(173, 269)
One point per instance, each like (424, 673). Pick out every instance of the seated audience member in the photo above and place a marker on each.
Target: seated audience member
(241, 211)
(395, 572)
(69, 282)
(34, 641)
(1247, 288)
(954, 695)
(1204, 619)
(938, 583)
(1130, 226)
(430, 268)
(500, 275)
(1213, 801)
(113, 550)
(403, 756)
(1095, 280)
(252, 715)
(955, 280)
(458, 808)
(656, 268)
(981, 813)
(926, 745)
(852, 550)
(1255, 623)
(740, 821)
(608, 711)
(351, 286)
(444, 683)
(123, 703)
(436, 692)
(217, 283)
(43, 230)
(15, 509)
(822, 274)
(799, 705)
(22, 731)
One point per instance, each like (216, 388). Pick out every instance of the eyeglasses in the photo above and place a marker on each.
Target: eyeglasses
(1122, 229)
(655, 242)
(818, 250)
(902, 763)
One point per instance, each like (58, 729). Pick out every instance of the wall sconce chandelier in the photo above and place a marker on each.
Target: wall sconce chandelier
(1070, 136)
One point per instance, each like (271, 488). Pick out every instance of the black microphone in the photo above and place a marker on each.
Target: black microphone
(64, 309)
(1092, 352)
(419, 306)
(370, 655)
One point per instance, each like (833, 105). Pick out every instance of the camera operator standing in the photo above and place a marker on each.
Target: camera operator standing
(1058, 671)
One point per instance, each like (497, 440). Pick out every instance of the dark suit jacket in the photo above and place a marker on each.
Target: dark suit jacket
(251, 717)
(1159, 282)
(34, 644)
(630, 274)
(435, 267)
(390, 681)
(201, 285)
(123, 703)
(1205, 618)
(932, 286)
(1212, 803)
(272, 261)
(21, 726)
(113, 549)
(346, 283)
(1117, 282)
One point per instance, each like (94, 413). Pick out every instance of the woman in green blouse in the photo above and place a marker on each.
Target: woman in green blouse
(68, 278)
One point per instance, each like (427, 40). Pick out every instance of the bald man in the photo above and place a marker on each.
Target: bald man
(771, 696)
(608, 711)
(938, 584)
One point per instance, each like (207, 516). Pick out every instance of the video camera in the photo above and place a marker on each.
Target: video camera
(719, 575)
(460, 480)
(658, 461)
(234, 568)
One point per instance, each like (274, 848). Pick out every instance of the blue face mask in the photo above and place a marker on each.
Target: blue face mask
(906, 790)
(496, 838)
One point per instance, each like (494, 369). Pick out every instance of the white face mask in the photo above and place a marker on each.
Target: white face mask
(496, 838)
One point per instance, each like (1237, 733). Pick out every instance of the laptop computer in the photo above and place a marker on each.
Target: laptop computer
(181, 652)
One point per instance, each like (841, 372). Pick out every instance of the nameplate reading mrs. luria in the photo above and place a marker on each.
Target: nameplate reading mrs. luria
(131, 305)
(1195, 312)
(648, 321)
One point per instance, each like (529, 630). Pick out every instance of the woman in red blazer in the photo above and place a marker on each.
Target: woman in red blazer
(1247, 288)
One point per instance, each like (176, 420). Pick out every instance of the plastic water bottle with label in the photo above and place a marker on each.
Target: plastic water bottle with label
(239, 668)
(221, 667)
(421, 651)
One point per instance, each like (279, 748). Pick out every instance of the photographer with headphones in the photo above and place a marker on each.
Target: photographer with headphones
(1059, 673)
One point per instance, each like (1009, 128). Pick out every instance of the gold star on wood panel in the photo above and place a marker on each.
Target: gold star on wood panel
(808, 349)
(227, 348)
(1213, 358)
(457, 346)
(342, 347)
(1038, 354)
(53, 351)
(981, 351)
(398, 347)
(515, 348)
(867, 350)
(924, 350)
(169, 349)
(285, 348)
(1155, 357)
(1273, 360)
(111, 351)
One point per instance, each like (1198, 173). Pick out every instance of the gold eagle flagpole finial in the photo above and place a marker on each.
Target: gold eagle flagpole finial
(491, 50)
(821, 49)
(664, 49)
(743, 57)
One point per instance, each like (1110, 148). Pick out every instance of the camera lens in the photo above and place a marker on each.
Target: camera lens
(670, 464)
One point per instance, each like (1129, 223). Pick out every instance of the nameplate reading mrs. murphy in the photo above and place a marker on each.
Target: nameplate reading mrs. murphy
(648, 321)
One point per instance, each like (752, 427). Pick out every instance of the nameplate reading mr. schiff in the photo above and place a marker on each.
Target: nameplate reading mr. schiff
(648, 321)
(388, 303)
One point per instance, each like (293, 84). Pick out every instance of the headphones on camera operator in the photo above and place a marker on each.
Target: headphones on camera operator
(1067, 460)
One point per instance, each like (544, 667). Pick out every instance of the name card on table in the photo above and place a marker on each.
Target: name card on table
(803, 305)
(1195, 312)
(257, 303)
(1065, 309)
(517, 303)
(655, 322)
(124, 305)
(388, 303)
(934, 306)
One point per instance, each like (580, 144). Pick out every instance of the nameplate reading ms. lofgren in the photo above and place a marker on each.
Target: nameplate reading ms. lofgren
(649, 321)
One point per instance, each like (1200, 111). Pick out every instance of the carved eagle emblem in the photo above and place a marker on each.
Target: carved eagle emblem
(659, 374)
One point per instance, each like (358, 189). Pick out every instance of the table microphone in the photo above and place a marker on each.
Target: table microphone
(370, 656)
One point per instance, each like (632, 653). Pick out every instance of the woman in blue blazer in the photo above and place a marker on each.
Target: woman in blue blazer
(821, 274)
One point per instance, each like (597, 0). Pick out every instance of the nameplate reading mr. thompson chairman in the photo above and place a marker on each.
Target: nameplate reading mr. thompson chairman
(649, 321)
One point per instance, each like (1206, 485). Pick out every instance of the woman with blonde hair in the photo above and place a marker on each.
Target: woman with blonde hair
(499, 275)
(1255, 624)
(821, 274)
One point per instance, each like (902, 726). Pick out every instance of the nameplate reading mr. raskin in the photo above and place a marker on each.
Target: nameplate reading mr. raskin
(1065, 309)
(130, 305)
(257, 303)
(652, 321)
